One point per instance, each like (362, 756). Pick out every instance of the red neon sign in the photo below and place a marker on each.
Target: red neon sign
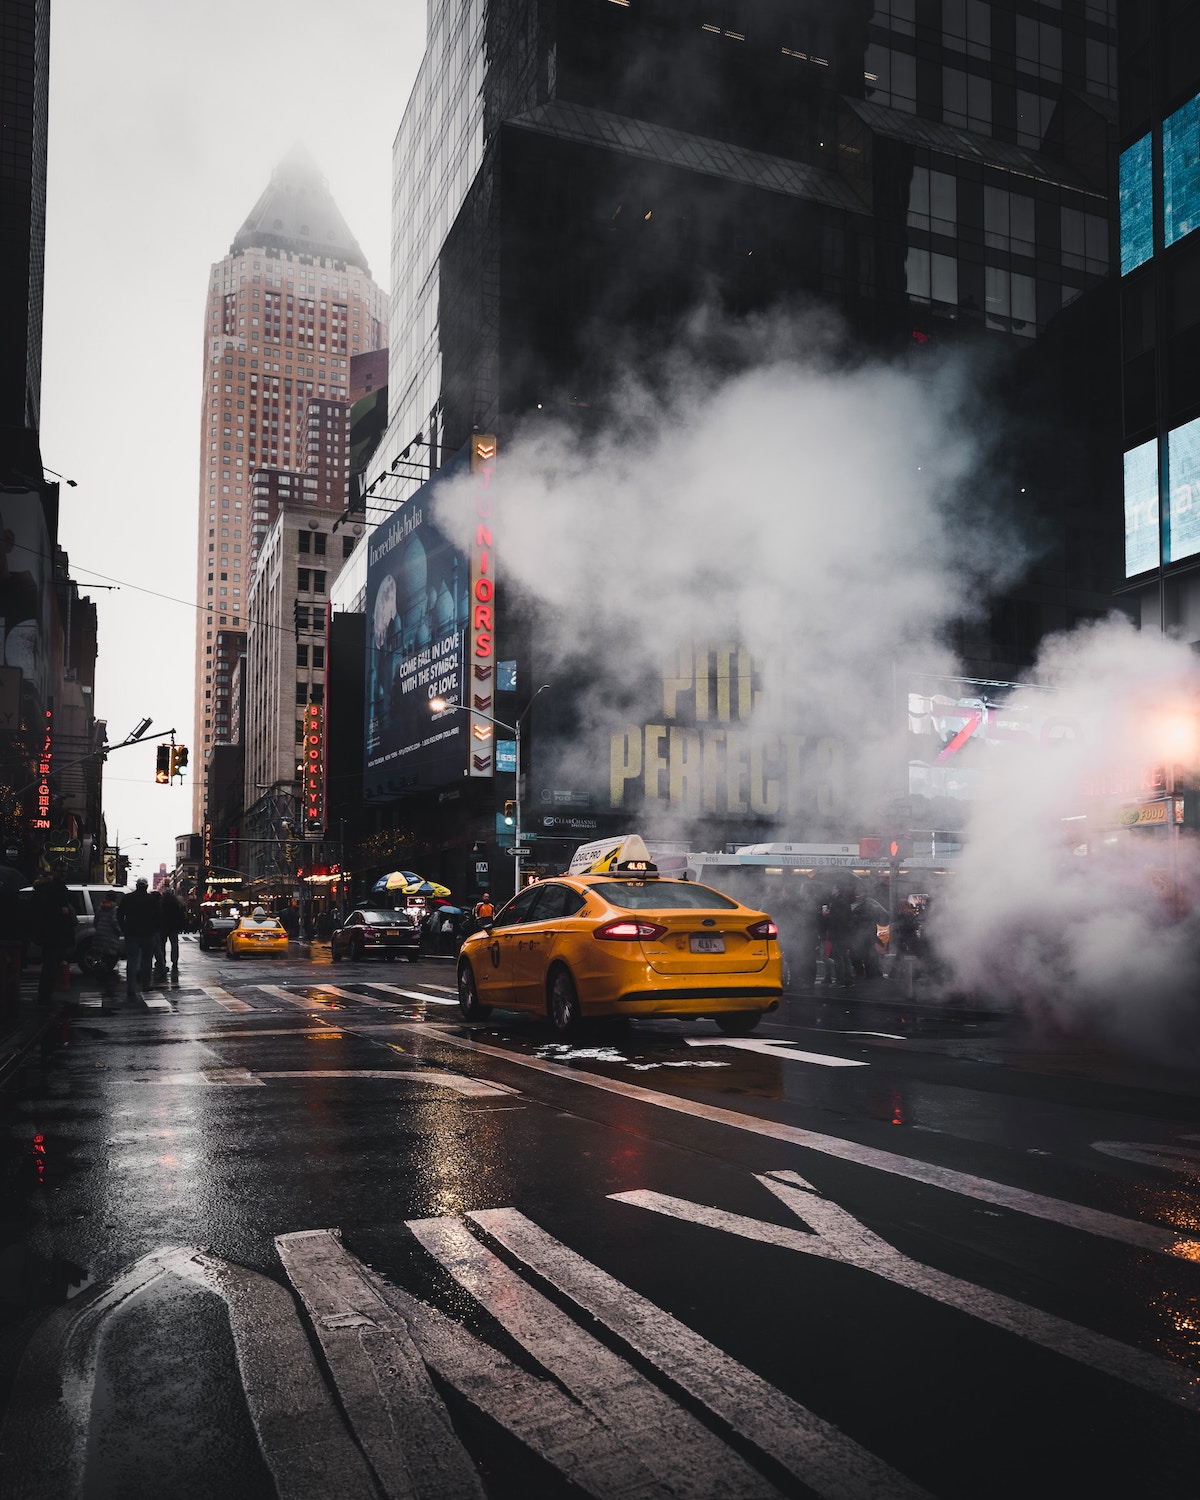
(314, 768)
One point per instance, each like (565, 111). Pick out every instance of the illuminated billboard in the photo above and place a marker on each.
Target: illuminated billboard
(1182, 522)
(417, 621)
(1141, 508)
(1137, 205)
(1181, 172)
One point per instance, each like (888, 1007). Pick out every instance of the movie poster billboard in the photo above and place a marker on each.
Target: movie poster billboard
(417, 622)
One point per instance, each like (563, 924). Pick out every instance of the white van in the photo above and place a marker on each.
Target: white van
(85, 901)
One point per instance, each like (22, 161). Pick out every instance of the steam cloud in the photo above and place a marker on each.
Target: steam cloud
(834, 520)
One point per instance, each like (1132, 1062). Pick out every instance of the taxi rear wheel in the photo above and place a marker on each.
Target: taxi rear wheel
(468, 996)
(738, 1022)
(563, 1003)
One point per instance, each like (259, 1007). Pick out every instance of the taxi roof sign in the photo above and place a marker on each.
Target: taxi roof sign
(607, 856)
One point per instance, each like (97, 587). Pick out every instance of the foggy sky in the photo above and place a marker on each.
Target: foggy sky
(165, 124)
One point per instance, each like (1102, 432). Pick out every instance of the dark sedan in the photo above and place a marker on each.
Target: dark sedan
(372, 933)
(213, 933)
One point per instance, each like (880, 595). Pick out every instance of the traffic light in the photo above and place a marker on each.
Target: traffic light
(900, 847)
(179, 759)
(162, 768)
(510, 813)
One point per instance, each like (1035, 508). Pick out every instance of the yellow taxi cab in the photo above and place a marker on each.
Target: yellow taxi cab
(623, 942)
(257, 934)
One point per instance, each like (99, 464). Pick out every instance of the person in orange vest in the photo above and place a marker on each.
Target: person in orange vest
(484, 910)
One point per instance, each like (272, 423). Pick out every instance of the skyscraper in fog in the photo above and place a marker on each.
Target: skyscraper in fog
(288, 308)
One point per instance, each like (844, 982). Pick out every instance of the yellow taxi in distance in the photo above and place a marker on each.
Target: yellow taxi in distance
(623, 943)
(257, 934)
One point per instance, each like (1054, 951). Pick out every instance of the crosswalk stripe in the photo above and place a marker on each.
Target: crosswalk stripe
(819, 1454)
(533, 1409)
(382, 1381)
(472, 1088)
(224, 998)
(304, 1002)
(1020, 1200)
(156, 1002)
(667, 1440)
(783, 1050)
(392, 989)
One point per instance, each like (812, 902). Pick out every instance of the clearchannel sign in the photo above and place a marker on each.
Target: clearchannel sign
(418, 601)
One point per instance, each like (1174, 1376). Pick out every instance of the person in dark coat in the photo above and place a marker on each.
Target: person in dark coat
(138, 919)
(174, 919)
(52, 925)
(841, 928)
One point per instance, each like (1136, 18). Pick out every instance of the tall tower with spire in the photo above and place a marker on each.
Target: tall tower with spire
(288, 308)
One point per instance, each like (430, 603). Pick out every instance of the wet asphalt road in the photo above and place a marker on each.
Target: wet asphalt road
(864, 1252)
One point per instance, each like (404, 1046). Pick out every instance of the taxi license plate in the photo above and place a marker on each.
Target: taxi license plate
(391, 932)
(705, 944)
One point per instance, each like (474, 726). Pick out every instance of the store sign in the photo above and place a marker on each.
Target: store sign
(314, 769)
(42, 819)
(481, 652)
(207, 846)
(1153, 814)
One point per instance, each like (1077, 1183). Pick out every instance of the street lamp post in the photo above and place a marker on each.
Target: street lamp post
(440, 705)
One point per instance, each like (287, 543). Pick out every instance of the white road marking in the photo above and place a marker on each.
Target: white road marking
(839, 1236)
(889, 1036)
(235, 1078)
(339, 994)
(1185, 1159)
(473, 1088)
(684, 1456)
(304, 1443)
(156, 1002)
(397, 1415)
(819, 1454)
(304, 1002)
(445, 989)
(783, 1050)
(536, 1411)
(1037, 1205)
(392, 989)
(224, 998)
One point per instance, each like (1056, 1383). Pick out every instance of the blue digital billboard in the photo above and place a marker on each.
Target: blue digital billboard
(1181, 172)
(418, 586)
(1141, 508)
(1182, 528)
(1137, 205)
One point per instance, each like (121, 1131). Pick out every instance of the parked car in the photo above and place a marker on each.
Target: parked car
(85, 900)
(370, 932)
(214, 931)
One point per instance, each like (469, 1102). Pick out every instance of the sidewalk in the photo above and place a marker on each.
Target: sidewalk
(30, 1024)
(905, 989)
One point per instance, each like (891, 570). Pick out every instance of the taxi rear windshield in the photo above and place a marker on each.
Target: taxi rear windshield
(662, 895)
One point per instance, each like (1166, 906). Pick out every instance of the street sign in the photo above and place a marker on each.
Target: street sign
(521, 853)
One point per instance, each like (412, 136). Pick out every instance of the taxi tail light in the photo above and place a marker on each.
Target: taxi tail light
(764, 929)
(624, 930)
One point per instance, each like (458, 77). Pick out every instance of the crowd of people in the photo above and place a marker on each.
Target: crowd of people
(848, 944)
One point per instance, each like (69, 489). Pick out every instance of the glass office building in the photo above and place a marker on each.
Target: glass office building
(570, 179)
(1160, 310)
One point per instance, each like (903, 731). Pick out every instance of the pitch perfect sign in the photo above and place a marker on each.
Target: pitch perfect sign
(703, 755)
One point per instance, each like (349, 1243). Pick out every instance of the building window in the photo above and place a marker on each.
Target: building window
(967, 27)
(1008, 221)
(931, 277)
(891, 77)
(1039, 49)
(347, 546)
(967, 100)
(305, 541)
(1084, 241)
(1011, 301)
(319, 543)
(318, 656)
(1033, 118)
(302, 656)
(302, 580)
(318, 581)
(933, 202)
(302, 693)
(897, 15)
